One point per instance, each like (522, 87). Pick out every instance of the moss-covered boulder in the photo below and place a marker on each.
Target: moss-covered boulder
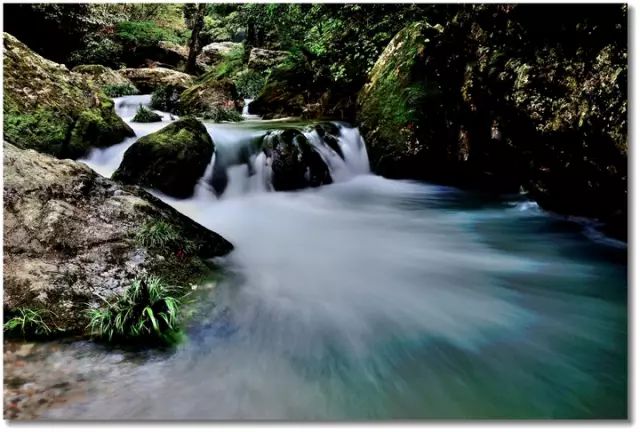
(295, 164)
(52, 110)
(214, 53)
(284, 94)
(488, 100)
(209, 97)
(74, 240)
(150, 78)
(170, 160)
(145, 115)
(390, 103)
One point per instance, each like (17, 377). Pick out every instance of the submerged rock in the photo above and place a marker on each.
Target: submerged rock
(148, 79)
(70, 239)
(52, 110)
(294, 162)
(170, 160)
(262, 59)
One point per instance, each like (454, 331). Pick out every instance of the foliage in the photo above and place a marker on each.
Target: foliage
(118, 90)
(166, 98)
(148, 310)
(28, 322)
(249, 83)
(143, 34)
(98, 49)
(231, 64)
(145, 115)
(163, 237)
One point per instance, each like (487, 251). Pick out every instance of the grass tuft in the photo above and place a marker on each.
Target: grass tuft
(147, 311)
(28, 322)
(117, 90)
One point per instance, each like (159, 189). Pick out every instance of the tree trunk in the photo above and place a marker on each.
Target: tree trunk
(194, 45)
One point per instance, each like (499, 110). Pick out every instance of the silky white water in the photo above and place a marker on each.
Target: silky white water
(372, 298)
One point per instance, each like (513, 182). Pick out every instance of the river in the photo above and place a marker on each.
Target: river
(370, 299)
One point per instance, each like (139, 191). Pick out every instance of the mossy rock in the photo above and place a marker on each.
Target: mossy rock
(170, 160)
(52, 110)
(145, 115)
(211, 98)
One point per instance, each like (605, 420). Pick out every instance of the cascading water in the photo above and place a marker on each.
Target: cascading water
(373, 298)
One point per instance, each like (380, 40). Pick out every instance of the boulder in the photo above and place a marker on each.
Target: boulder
(209, 96)
(149, 79)
(52, 110)
(214, 53)
(102, 76)
(284, 94)
(488, 101)
(170, 160)
(261, 60)
(172, 53)
(70, 239)
(294, 162)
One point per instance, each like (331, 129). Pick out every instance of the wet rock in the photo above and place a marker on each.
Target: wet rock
(170, 160)
(102, 76)
(212, 54)
(294, 162)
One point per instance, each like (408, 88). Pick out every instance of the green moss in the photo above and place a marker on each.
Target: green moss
(44, 130)
(220, 114)
(118, 90)
(144, 115)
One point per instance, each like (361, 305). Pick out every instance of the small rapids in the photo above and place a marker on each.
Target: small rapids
(372, 299)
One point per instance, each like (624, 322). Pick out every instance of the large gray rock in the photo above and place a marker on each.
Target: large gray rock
(149, 79)
(262, 59)
(70, 238)
(214, 53)
(102, 75)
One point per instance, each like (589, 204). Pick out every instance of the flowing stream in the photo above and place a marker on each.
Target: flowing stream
(371, 299)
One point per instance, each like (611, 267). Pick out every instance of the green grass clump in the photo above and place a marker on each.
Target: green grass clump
(249, 83)
(147, 311)
(145, 115)
(117, 90)
(164, 237)
(28, 322)
(220, 114)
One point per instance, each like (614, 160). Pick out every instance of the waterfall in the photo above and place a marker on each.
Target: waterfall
(239, 165)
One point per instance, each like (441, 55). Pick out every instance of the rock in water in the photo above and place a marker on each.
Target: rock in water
(52, 110)
(70, 238)
(170, 160)
(294, 162)
(209, 96)
(149, 79)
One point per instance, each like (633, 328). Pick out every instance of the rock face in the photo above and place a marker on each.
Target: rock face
(208, 96)
(170, 160)
(294, 162)
(214, 53)
(149, 79)
(102, 75)
(172, 53)
(262, 59)
(70, 238)
(489, 101)
(52, 110)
